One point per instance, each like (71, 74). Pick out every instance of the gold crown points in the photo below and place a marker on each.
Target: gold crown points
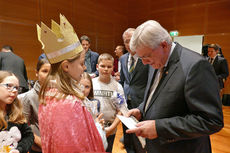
(60, 42)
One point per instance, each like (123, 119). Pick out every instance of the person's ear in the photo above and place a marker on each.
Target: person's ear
(65, 66)
(97, 66)
(36, 73)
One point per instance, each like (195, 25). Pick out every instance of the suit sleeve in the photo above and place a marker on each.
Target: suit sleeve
(204, 116)
(122, 77)
(224, 69)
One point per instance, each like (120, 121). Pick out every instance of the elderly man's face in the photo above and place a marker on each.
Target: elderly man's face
(126, 39)
(155, 57)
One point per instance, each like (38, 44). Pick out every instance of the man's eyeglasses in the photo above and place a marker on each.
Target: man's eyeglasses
(11, 87)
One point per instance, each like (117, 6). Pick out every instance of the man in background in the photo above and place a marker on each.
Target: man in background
(90, 56)
(15, 64)
(134, 76)
(119, 51)
(219, 64)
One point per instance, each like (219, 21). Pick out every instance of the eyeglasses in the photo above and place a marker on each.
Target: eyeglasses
(11, 87)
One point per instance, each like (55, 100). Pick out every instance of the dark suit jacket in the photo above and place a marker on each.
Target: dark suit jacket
(13, 63)
(134, 85)
(186, 105)
(220, 65)
(93, 59)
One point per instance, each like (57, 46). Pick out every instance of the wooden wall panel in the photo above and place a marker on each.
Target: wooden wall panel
(52, 8)
(18, 11)
(101, 23)
(218, 17)
(190, 20)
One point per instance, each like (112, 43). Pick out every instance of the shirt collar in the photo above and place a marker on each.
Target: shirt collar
(134, 56)
(171, 50)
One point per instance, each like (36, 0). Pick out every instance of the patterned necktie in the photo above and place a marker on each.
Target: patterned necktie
(157, 78)
(131, 68)
(211, 60)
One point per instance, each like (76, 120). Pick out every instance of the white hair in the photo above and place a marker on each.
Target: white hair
(128, 31)
(149, 34)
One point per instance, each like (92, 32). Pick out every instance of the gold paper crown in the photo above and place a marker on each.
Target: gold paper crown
(60, 42)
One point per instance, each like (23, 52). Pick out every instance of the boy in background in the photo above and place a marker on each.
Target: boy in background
(104, 87)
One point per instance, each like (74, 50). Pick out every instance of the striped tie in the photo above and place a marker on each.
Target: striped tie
(211, 61)
(132, 65)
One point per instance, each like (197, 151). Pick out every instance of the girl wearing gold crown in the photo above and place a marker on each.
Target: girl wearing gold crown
(66, 125)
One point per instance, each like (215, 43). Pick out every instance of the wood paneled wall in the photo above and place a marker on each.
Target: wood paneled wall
(104, 22)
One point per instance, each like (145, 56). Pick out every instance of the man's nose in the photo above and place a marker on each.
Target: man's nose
(145, 61)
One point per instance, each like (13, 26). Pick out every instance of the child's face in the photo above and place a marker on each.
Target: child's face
(87, 86)
(9, 90)
(43, 72)
(105, 68)
(77, 67)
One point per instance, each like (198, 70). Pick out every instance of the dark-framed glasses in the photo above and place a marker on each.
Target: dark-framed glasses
(11, 87)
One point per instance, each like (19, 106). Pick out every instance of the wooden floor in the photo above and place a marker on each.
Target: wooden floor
(220, 141)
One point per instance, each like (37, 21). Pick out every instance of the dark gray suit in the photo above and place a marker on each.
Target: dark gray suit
(134, 87)
(220, 66)
(186, 105)
(13, 63)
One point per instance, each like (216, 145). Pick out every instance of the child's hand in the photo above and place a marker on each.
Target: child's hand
(109, 131)
(14, 151)
(100, 120)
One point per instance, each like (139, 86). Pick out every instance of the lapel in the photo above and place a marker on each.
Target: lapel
(149, 83)
(167, 73)
(215, 61)
(138, 64)
(126, 72)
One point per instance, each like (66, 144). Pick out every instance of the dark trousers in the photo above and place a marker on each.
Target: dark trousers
(131, 142)
(31, 151)
(110, 140)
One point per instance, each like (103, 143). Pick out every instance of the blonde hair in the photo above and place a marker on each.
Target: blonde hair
(63, 81)
(105, 56)
(14, 110)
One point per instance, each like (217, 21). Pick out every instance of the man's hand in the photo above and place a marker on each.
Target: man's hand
(117, 76)
(146, 129)
(134, 112)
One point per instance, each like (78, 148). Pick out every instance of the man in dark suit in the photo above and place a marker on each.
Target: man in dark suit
(219, 64)
(133, 77)
(182, 105)
(13, 63)
(91, 57)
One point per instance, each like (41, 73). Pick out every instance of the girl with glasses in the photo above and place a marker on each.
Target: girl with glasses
(15, 134)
